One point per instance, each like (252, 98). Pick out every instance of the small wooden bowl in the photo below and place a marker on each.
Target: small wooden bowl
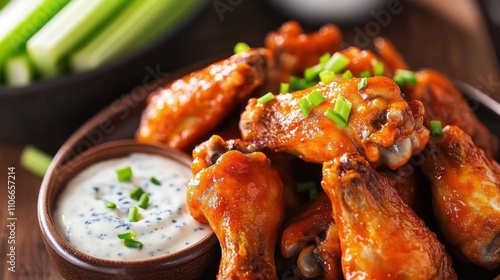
(190, 263)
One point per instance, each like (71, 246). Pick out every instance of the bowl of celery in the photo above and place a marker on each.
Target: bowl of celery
(61, 61)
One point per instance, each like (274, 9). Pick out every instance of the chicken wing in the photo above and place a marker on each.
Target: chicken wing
(382, 126)
(389, 55)
(178, 114)
(466, 195)
(442, 101)
(380, 236)
(241, 198)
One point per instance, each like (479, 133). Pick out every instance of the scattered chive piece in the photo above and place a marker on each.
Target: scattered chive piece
(313, 193)
(343, 108)
(312, 73)
(362, 84)
(403, 77)
(136, 193)
(127, 235)
(241, 47)
(133, 214)
(132, 243)
(347, 75)
(297, 83)
(305, 106)
(266, 98)
(324, 59)
(284, 87)
(35, 160)
(109, 204)
(337, 62)
(305, 186)
(315, 98)
(365, 74)
(144, 201)
(155, 181)
(124, 174)
(326, 76)
(436, 128)
(336, 118)
(378, 69)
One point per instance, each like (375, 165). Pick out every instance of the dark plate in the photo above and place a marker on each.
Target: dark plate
(121, 119)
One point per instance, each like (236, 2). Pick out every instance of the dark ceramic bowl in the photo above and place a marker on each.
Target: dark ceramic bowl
(192, 262)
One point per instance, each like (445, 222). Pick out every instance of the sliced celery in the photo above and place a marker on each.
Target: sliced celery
(138, 23)
(18, 70)
(74, 23)
(35, 160)
(3, 3)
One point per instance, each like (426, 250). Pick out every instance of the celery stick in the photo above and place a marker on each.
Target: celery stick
(74, 23)
(121, 35)
(18, 70)
(3, 3)
(35, 160)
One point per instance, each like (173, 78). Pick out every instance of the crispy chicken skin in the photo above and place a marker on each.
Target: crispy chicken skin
(389, 55)
(178, 114)
(466, 195)
(382, 126)
(442, 101)
(380, 236)
(241, 198)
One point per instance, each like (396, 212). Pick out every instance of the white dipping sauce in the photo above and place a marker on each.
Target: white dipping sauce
(165, 226)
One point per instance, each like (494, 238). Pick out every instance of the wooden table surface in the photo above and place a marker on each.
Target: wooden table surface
(449, 37)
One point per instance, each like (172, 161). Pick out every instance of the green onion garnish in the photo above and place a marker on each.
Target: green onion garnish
(362, 84)
(133, 214)
(315, 98)
(136, 193)
(124, 174)
(347, 75)
(305, 106)
(305, 186)
(127, 235)
(336, 118)
(155, 181)
(297, 83)
(266, 98)
(241, 47)
(365, 74)
(403, 77)
(378, 68)
(284, 87)
(132, 243)
(35, 160)
(326, 76)
(109, 204)
(312, 73)
(436, 128)
(337, 62)
(144, 201)
(324, 59)
(343, 108)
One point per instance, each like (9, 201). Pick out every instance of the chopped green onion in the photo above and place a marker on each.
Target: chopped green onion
(313, 193)
(155, 181)
(266, 98)
(378, 68)
(365, 74)
(297, 83)
(127, 235)
(315, 98)
(403, 77)
(305, 106)
(326, 76)
(362, 84)
(144, 201)
(241, 47)
(347, 75)
(436, 128)
(284, 87)
(133, 214)
(109, 204)
(35, 160)
(132, 243)
(336, 118)
(312, 73)
(124, 174)
(343, 108)
(324, 59)
(136, 193)
(19, 70)
(337, 62)
(305, 186)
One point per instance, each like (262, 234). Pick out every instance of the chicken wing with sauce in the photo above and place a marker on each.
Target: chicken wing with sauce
(382, 126)
(178, 114)
(241, 197)
(466, 195)
(380, 236)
